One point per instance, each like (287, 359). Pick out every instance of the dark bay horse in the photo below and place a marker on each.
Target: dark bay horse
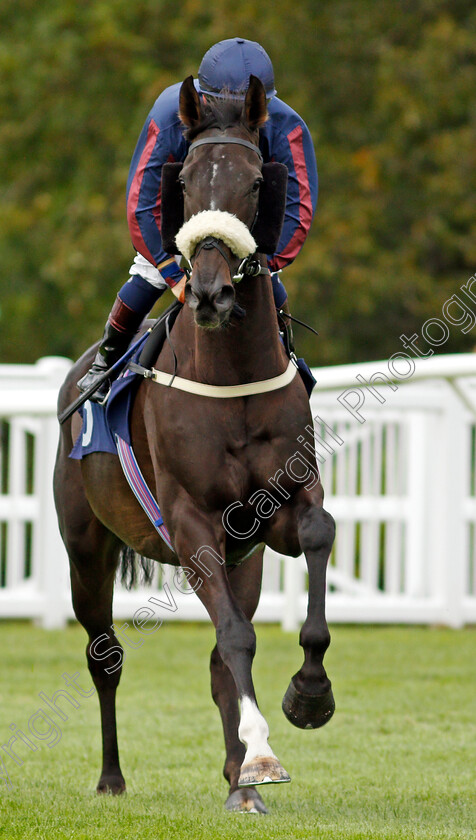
(229, 474)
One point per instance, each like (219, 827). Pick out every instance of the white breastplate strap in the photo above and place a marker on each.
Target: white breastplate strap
(226, 391)
(218, 223)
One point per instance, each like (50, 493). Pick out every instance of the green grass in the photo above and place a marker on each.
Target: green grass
(397, 760)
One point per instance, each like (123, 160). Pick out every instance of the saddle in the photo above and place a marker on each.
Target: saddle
(159, 332)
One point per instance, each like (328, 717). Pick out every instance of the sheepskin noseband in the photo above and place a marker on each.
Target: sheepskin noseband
(218, 223)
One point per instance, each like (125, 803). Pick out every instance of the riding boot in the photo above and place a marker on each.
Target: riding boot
(120, 328)
(113, 345)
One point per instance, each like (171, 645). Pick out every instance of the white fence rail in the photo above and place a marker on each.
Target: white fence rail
(397, 457)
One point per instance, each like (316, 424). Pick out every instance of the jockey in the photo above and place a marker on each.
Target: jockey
(284, 138)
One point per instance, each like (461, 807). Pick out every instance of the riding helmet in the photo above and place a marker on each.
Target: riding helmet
(227, 66)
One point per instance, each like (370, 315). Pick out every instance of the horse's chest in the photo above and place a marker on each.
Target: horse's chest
(251, 461)
(228, 457)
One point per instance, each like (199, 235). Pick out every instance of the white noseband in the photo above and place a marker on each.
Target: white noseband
(223, 226)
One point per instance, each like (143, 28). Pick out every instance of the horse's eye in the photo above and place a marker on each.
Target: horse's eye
(182, 184)
(257, 185)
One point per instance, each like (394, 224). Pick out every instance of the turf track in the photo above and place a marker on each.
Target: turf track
(397, 760)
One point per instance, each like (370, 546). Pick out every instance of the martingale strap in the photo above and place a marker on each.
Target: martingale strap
(248, 389)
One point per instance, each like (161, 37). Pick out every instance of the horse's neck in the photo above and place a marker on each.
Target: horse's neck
(248, 349)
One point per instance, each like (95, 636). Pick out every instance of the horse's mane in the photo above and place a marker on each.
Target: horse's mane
(218, 113)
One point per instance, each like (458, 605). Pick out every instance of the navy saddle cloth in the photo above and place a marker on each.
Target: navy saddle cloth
(102, 423)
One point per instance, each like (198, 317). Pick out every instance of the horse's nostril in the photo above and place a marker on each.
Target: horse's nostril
(210, 308)
(224, 298)
(191, 299)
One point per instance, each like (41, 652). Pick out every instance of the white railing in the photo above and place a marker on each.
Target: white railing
(398, 463)
(402, 489)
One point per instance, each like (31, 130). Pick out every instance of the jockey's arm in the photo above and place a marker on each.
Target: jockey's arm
(289, 142)
(160, 141)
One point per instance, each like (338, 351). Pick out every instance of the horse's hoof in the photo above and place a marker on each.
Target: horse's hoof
(263, 770)
(246, 801)
(114, 785)
(308, 711)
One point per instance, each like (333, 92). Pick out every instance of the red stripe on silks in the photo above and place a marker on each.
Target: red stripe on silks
(156, 212)
(134, 193)
(296, 242)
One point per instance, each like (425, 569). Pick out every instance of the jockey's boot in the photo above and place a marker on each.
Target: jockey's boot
(113, 345)
(121, 326)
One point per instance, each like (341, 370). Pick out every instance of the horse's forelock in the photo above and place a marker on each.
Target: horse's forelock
(220, 113)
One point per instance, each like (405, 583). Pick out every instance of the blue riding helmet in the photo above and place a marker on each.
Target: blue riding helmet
(229, 64)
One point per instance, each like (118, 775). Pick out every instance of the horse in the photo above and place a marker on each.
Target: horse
(228, 472)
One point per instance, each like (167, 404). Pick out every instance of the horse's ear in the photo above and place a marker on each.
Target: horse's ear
(256, 111)
(272, 204)
(171, 217)
(189, 103)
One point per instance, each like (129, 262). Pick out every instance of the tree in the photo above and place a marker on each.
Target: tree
(387, 91)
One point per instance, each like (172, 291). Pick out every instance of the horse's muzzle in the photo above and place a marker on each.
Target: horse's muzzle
(211, 307)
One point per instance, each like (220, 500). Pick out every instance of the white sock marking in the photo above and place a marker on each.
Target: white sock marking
(253, 731)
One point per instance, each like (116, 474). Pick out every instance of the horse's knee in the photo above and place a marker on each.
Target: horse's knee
(236, 638)
(316, 530)
(105, 656)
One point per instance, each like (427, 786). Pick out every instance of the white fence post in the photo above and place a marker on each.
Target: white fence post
(28, 396)
(54, 560)
(452, 453)
(54, 574)
(419, 494)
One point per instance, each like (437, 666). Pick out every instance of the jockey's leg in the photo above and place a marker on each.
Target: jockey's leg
(281, 303)
(279, 292)
(133, 303)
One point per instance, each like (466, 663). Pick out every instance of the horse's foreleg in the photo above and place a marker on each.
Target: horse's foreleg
(309, 702)
(245, 582)
(236, 644)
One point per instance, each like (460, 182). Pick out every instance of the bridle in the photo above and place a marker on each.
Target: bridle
(237, 141)
(249, 267)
